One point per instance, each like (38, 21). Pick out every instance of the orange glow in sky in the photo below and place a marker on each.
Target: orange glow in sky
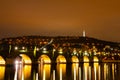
(99, 18)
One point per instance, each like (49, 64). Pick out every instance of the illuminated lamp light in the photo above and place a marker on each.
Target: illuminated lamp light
(37, 49)
(61, 59)
(22, 50)
(75, 59)
(95, 53)
(28, 62)
(112, 58)
(26, 59)
(23, 47)
(119, 54)
(104, 54)
(18, 62)
(2, 61)
(16, 48)
(85, 59)
(86, 54)
(60, 51)
(45, 59)
(95, 59)
(74, 52)
(45, 50)
(54, 50)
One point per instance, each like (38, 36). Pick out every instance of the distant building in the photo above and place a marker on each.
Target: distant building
(84, 33)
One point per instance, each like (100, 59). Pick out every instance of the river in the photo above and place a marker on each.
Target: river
(73, 71)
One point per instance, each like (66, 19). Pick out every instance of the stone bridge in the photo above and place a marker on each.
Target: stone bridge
(47, 56)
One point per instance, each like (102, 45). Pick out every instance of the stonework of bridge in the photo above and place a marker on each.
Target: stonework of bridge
(49, 54)
(45, 56)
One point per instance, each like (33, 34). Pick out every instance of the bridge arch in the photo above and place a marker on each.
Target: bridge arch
(61, 59)
(74, 59)
(23, 59)
(95, 59)
(2, 61)
(85, 59)
(44, 59)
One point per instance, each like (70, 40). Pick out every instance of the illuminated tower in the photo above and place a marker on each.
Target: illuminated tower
(84, 33)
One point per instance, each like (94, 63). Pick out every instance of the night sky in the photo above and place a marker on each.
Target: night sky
(99, 18)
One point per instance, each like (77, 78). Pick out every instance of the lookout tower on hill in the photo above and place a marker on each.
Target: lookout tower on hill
(84, 34)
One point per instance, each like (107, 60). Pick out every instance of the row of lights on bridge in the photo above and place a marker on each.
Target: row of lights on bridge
(60, 51)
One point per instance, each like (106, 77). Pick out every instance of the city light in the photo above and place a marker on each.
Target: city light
(95, 59)
(37, 49)
(2, 72)
(26, 59)
(85, 53)
(74, 51)
(23, 47)
(59, 40)
(85, 59)
(61, 59)
(16, 62)
(16, 48)
(44, 59)
(45, 50)
(2, 61)
(61, 51)
(75, 59)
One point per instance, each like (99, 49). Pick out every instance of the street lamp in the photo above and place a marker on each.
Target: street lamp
(16, 48)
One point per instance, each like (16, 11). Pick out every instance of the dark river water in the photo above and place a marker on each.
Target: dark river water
(75, 71)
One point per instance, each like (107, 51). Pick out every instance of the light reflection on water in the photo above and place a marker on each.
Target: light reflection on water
(61, 71)
(44, 71)
(75, 71)
(2, 72)
(22, 72)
